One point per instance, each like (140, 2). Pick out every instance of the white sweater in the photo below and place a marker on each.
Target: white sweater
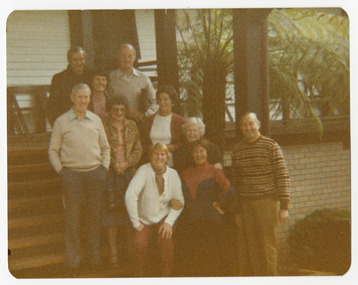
(80, 145)
(143, 202)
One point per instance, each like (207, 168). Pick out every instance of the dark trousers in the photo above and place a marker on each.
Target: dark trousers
(83, 193)
(201, 249)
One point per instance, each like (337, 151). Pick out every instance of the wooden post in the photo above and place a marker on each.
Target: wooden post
(167, 61)
(75, 21)
(81, 33)
(251, 65)
(88, 38)
(100, 32)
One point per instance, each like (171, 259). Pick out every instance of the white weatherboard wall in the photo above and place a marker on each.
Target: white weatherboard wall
(146, 36)
(37, 43)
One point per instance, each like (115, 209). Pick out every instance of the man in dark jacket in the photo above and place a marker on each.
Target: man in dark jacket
(76, 72)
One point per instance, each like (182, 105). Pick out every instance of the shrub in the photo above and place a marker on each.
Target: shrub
(322, 241)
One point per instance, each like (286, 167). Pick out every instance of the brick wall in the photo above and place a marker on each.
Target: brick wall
(320, 178)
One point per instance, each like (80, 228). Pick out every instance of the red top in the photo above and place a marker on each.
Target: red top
(194, 175)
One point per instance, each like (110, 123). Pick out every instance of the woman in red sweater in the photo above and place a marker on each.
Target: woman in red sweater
(206, 193)
(165, 126)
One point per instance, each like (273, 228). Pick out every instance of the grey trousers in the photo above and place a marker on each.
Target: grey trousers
(83, 192)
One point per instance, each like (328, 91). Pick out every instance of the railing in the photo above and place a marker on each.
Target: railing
(150, 69)
(27, 105)
(26, 109)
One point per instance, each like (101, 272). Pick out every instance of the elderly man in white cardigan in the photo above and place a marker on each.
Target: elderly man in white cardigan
(154, 200)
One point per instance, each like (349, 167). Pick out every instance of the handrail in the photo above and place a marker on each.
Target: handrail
(146, 63)
(17, 124)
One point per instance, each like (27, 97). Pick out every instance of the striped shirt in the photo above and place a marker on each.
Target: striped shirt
(258, 169)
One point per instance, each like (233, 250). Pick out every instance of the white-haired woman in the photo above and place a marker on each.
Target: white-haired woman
(194, 130)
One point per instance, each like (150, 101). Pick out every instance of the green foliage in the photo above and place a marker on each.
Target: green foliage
(205, 39)
(308, 60)
(312, 47)
(191, 85)
(321, 241)
(206, 58)
(206, 36)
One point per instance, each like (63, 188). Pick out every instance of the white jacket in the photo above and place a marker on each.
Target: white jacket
(143, 202)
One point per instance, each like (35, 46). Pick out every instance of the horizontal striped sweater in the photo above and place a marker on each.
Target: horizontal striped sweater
(258, 169)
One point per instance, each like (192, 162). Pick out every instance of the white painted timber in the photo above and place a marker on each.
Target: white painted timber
(146, 36)
(37, 43)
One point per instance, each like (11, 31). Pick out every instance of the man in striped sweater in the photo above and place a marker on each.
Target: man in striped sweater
(261, 182)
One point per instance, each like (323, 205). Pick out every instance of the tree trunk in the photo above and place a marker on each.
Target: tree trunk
(214, 93)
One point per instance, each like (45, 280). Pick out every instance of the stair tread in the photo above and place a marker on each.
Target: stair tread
(17, 203)
(28, 145)
(57, 260)
(16, 169)
(34, 240)
(34, 183)
(34, 220)
(14, 151)
(37, 261)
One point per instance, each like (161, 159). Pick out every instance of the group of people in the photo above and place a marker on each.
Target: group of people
(132, 166)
